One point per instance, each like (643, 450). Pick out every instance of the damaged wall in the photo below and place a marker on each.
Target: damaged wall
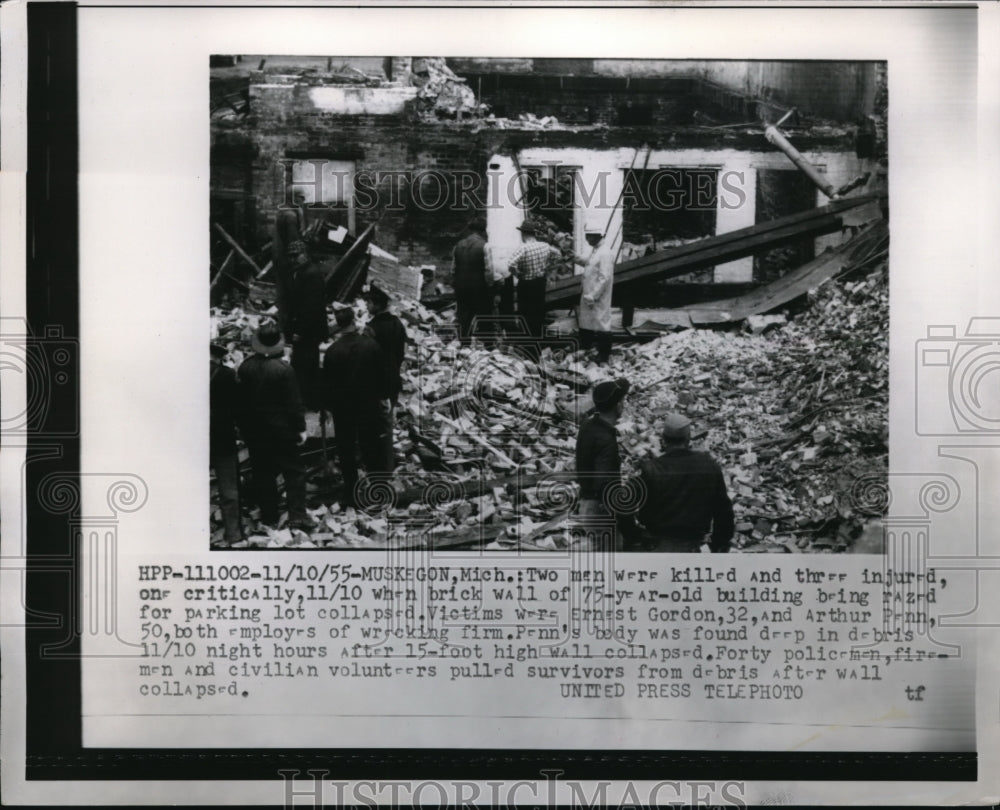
(378, 131)
(601, 178)
(835, 90)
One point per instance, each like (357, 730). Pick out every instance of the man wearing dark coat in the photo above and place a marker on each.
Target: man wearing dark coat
(473, 287)
(686, 503)
(390, 334)
(355, 391)
(289, 227)
(223, 399)
(273, 426)
(307, 321)
(598, 468)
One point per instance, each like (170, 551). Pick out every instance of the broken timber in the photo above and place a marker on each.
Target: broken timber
(723, 248)
(346, 278)
(869, 244)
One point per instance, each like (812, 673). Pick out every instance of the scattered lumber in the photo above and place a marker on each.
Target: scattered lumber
(795, 413)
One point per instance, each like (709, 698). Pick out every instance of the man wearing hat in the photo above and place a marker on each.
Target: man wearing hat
(273, 427)
(530, 264)
(307, 321)
(222, 410)
(473, 293)
(598, 462)
(686, 497)
(390, 334)
(356, 392)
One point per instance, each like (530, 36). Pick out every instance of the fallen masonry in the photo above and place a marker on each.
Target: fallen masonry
(797, 415)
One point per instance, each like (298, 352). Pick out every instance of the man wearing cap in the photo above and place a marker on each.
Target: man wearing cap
(307, 321)
(686, 497)
(530, 264)
(273, 426)
(390, 334)
(598, 462)
(473, 295)
(222, 410)
(594, 314)
(356, 392)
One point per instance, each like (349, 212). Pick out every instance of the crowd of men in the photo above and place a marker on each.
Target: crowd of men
(677, 503)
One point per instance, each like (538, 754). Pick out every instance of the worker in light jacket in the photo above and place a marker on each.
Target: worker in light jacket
(594, 313)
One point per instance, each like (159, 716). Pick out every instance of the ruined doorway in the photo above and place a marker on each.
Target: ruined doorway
(550, 197)
(781, 192)
(666, 207)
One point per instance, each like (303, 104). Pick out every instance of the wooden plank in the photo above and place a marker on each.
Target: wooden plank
(235, 246)
(355, 253)
(717, 249)
(711, 254)
(222, 269)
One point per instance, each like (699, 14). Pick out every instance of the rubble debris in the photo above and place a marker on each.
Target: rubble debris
(387, 273)
(442, 92)
(485, 441)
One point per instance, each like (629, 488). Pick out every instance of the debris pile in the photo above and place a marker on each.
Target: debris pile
(442, 92)
(485, 438)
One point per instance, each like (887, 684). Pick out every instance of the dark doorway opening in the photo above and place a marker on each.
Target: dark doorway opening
(781, 192)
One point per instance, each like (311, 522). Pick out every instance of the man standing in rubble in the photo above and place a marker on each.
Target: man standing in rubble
(390, 334)
(273, 426)
(598, 468)
(594, 314)
(222, 410)
(686, 502)
(473, 293)
(307, 321)
(356, 392)
(289, 228)
(530, 264)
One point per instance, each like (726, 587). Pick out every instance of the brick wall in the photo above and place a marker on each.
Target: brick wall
(284, 124)
(405, 172)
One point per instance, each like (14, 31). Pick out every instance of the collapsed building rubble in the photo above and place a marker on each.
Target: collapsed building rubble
(796, 414)
(485, 437)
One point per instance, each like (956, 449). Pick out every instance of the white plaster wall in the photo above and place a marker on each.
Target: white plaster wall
(602, 175)
(503, 212)
(361, 100)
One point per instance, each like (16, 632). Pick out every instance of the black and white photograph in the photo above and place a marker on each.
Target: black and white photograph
(538, 304)
(664, 477)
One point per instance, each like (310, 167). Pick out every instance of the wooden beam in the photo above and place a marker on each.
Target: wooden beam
(222, 268)
(717, 249)
(355, 253)
(235, 246)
